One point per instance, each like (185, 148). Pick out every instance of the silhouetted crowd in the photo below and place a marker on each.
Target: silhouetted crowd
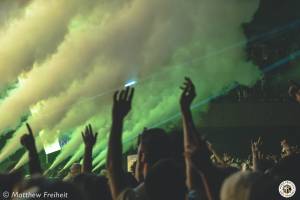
(165, 169)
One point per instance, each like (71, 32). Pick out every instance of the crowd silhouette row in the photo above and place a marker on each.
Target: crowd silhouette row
(163, 169)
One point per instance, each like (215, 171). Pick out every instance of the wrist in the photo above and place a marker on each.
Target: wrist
(185, 109)
(32, 151)
(117, 119)
(89, 146)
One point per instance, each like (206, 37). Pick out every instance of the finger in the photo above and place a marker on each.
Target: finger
(190, 83)
(82, 134)
(122, 94)
(86, 130)
(90, 129)
(131, 94)
(182, 87)
(116, 95)
(259, 140)
(185, 84)
(186, 91)
(96, 135)
(29, 129)
(186, 78)
(127, 90)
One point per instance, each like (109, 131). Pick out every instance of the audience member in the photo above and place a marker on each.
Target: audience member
(169, 166)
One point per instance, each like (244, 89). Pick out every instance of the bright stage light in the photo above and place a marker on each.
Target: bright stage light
(130, 83)
(50, 147)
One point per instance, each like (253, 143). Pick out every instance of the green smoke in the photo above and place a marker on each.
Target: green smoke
(157, 42)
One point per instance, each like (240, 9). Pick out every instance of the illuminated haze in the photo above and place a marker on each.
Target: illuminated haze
(67, 58)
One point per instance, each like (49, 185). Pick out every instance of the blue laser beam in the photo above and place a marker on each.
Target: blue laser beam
(267, 69)
(130, 83)
(262, 36)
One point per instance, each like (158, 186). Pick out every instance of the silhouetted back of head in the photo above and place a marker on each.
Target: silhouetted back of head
(249, 186)
(49, 189)
(130, 180)
(8, 181)
(93, 187)
(64, 188)
(288, 169)
(155, 145)
(166, 180)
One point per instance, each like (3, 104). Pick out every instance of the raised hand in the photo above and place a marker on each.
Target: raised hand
(122, 103)
(27, 140)
(258, 158)
(121, 107)
(188, 94)
(89, 139)
(255, 148)
(88, 136)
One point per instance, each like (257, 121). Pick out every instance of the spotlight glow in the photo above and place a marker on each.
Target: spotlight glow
(130, 83)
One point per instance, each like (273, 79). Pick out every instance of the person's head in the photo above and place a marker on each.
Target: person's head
(8, 181)
(154, 145)
(294, 92)
(166, 180)
(47, 188)
(75, 169)
(298, 95)
(287, 169)
(248, 186)
(93, 187)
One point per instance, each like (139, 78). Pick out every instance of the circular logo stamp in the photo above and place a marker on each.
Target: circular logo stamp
(287, 189)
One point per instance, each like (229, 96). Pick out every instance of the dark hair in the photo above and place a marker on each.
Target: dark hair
(287, 168)
(7, 181)
(293, 90)
(156, 145)
(165, 180)
(130, 180)
(52, 187)
(92, 186)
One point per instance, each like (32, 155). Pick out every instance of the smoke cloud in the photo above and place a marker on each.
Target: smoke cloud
(68, 69)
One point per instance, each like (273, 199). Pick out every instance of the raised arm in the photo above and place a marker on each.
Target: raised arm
(27, 140)
(195, 148)
(186, 99)
(217, 156)
(89, 139)
(121, 107)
